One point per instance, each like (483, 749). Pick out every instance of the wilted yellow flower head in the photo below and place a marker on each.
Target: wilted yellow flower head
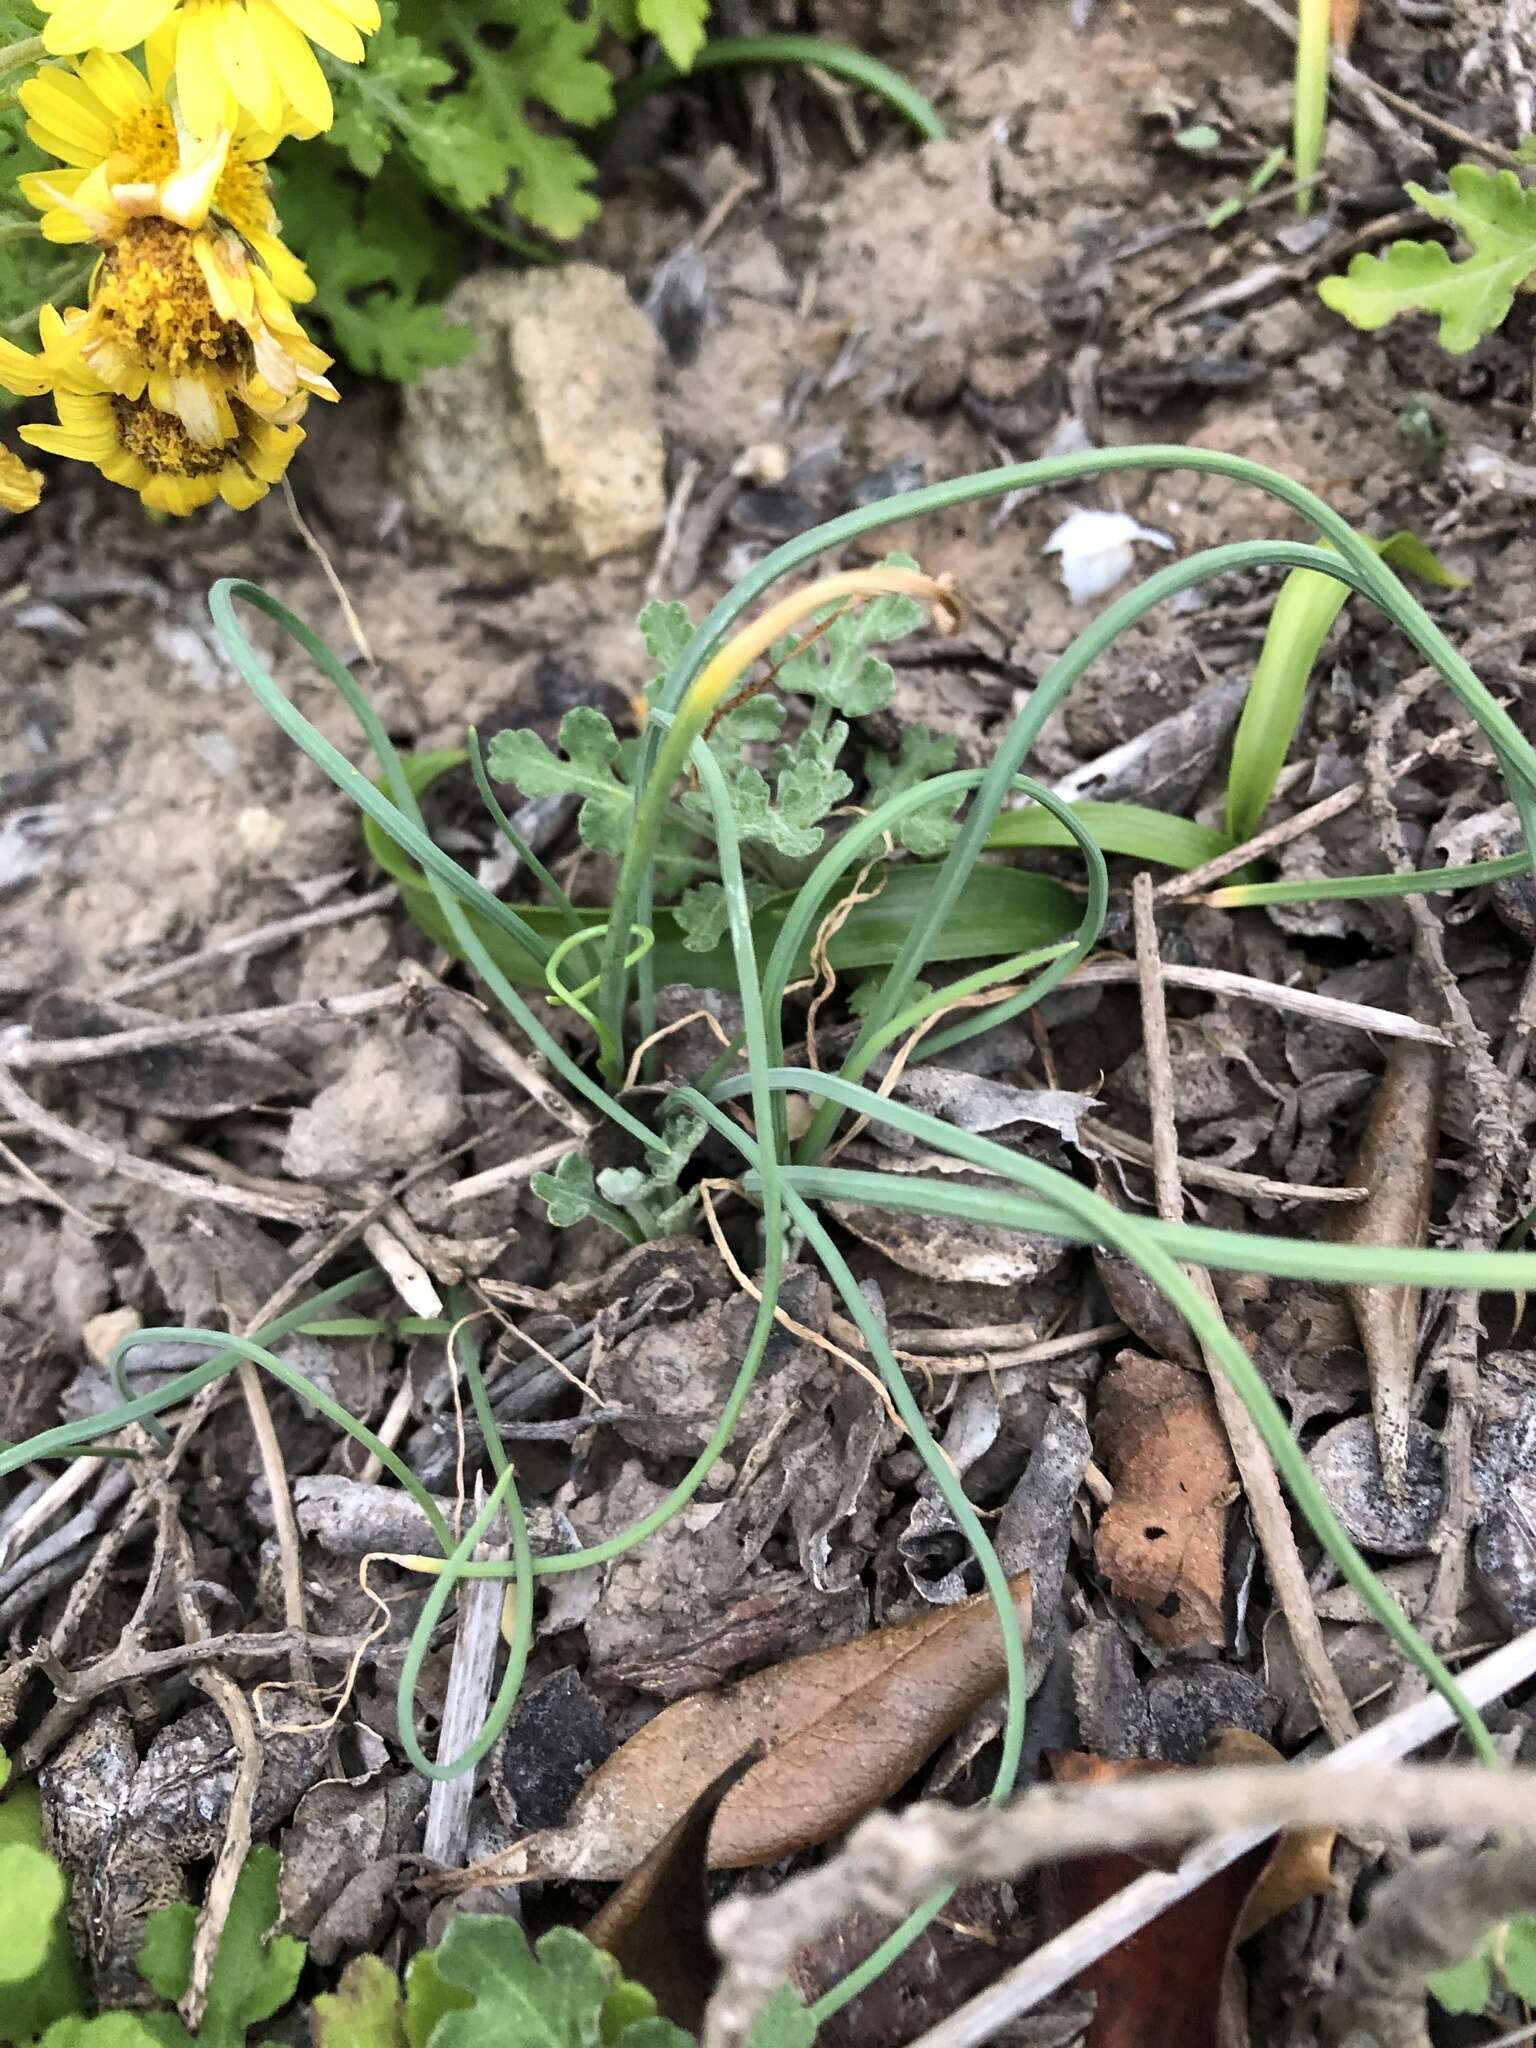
(149, 451)
(230, 54)
(179, 312)
(20, 487)
(105, 114)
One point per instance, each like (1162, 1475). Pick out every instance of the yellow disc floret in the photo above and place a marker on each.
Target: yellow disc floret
(135, 444)
(107, 123)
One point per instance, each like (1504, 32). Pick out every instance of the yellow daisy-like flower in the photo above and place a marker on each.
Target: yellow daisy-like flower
(253, 54)
(106, 113)
(179, 313)
(134, 444)
(20, 487)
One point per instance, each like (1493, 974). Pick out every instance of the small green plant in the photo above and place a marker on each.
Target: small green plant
(680, 816)
(1506, 1954)
(1495, 216)
(483, 1986)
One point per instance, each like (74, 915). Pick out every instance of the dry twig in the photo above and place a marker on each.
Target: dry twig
(1261, 1482)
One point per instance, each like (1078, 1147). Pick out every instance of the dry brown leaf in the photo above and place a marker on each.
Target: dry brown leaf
(1300, 1864)
(1397, 1163)
(1344, 19)
(842, 1730)
(1164, 1986)
(655, 1926)
(1172, 1984)
(1160, 1541)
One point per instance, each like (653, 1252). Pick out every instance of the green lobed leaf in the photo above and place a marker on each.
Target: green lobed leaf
(930, 831)
(703, 916)
(366, 2010)
(837, 668)
(1495, 215)
(380, 261)
(254, 1973)
(589, 770)
(551, 1996)
(428, 1995)
(678, 25)
(787, 817)
(569, 1193)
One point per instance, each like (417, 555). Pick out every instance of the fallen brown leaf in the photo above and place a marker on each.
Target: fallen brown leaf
(1163, 1987)
(842, 1730)
(1160, 1541)
(1300, 1863)
(1397, 1163)
(1344, 19)
(1172, 1984)
(655, 1924)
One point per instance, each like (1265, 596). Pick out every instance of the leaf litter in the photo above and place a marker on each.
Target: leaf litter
(798, 1542)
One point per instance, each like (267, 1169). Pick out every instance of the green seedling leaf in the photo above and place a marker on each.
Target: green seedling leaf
(838, 669)
(590, 771)
(569, 1193)
(808, 785)
(38, 1981)
(1304, 613)
(119, 2030)
(930, 831)
(1464, 1987)
(255, 1972)
(1506, 1952)
(1198, 138)
(1495, 215)
(782, 2023)
(1517, 1957)
(552, 1996)
(428, 1996)
(1001, 912)
(366, 2010)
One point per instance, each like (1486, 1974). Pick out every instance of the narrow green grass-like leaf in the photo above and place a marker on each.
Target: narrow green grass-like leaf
(1309, 112)
(1304, 613)
(1360, 888)
(843, 61)
(1004, 911)
(1134, 829)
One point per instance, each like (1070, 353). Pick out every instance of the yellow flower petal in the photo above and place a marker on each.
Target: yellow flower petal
(294, 65)
(207, 104)
(20, 487)
(327, 26)
(75, 25)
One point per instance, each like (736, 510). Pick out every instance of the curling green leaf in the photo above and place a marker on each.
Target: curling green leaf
(1495, 215)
